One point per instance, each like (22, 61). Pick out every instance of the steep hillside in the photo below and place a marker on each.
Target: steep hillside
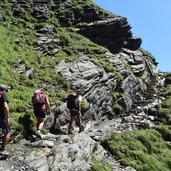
(38, 35)
(67, 45)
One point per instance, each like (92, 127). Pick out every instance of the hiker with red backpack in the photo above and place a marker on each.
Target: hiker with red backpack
(4, 118)
(41, 107)
(74, 107)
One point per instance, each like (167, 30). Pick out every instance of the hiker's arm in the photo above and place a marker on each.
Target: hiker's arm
(79, 107)
(79, 103)
(6, 111)
(48, 105)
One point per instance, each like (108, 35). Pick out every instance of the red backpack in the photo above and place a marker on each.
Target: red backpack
(39, 99)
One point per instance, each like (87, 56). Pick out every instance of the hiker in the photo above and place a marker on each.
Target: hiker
(74, 107)
(4, 118)
(41, 107)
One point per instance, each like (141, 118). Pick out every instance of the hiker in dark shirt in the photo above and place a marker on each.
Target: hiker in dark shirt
(74, 107)
(4, 117)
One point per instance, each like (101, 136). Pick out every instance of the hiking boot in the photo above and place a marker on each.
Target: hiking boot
(4, 153)
(39, 135)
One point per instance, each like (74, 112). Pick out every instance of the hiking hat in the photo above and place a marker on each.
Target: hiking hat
(4, 87)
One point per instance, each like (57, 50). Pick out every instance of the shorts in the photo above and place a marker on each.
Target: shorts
(4, 125)
(41, 113)
(75, 112)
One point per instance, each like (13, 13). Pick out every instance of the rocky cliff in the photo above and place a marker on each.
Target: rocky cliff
(77, 46)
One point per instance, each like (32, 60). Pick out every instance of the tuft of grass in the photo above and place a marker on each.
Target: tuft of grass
(98, 165)
(146, 53)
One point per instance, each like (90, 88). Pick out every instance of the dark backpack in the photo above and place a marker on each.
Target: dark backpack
(39, 99)
(71, 102)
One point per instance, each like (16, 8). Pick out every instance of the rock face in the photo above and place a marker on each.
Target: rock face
(93, 81)
(91, 78)
(113, 33)
(121, 80)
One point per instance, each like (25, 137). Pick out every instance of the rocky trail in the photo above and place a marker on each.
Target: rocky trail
(72, 152)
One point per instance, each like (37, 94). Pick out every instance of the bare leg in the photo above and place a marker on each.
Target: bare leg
(6, 138)
(40, 123)
(80, 125)
(70, 124)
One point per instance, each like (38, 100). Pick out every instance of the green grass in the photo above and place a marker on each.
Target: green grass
(74, 43)
(143, 150)
(165, 109)
(146, 53)
(100, 165)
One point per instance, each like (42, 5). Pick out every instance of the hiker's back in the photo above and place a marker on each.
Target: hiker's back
(39, 99)
(71, 101)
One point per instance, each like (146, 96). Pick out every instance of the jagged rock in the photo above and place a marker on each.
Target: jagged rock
(30, 73)
(132, 57)
(37, 160)
(116, 33)
(45, 29)
(46, 43)
(77, 155)
(128, 119)
(73, 16)
(41, 11)
(21, 68)
(133, 43)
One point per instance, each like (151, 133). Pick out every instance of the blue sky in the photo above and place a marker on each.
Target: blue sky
(151, 21)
